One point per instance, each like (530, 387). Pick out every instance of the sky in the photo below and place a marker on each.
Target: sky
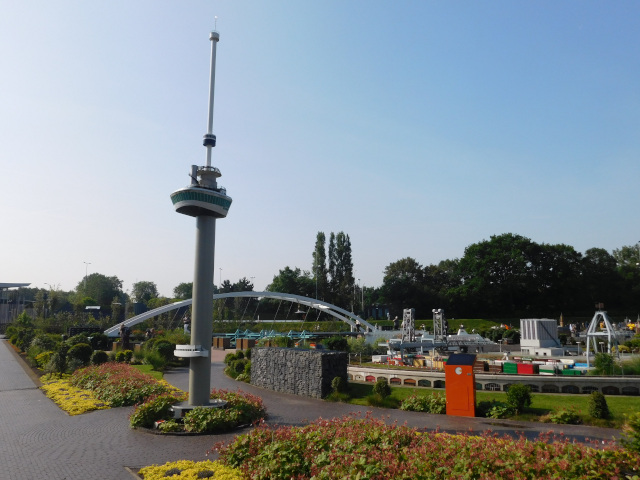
(416, 127)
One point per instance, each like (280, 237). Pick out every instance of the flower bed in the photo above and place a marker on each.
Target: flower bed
(120, 384)
(354, 447)
(188, 470)
(241, 409)
(72, 400)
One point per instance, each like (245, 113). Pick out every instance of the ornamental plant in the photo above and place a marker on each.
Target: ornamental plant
(434, 403)
(519, 397)
(119, 384)
(353, 447)
(153, 409)
(598, 407)
(188, 470)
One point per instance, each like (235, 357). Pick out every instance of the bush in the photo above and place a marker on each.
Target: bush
(45, 342)
(120, 357)
(241, 409)
(128, 355)
(519, 397)
(99, 357)
(598, 407)
(81, 352)
(500, 410)
(165, 348)
(153, 409)
(434, 403)
(565, 416)
(80, 338)
(382, 388)
(156, 360)
(631, 433)
(339, 385)
(99, 341)
(336, 343)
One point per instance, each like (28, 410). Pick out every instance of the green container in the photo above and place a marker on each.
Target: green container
(510, 368)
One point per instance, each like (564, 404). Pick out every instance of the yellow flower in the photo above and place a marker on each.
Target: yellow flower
(72, 400)
(188, 470)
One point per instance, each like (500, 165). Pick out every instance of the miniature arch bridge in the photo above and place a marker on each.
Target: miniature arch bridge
(328, 308)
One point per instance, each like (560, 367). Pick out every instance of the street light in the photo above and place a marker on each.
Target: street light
(86, 269)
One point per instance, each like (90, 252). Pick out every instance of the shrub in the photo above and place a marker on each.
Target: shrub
(58, 361)
(519, 397)
(154, 408)
(80, 338)
(45, 342)
(119, 384)
(382, 388)
(81, 352)
(631, 432)
(165, 348)
(598, 407)
(42, 359)
(500, 410)
(120, 357)
(99, 357)
(566, 416)
(99, 341)
(434, 403)
(230, 357)
(128, 355)
(339, 385)
(337, 343)
(241, 409)
(156, 360)
(351, 448)
(239, 354)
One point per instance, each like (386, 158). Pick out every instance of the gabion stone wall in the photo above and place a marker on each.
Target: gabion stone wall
(301, 372)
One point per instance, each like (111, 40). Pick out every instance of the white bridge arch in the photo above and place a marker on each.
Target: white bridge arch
(340, 313)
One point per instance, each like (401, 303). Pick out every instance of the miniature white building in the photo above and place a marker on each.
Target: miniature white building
(539, 336)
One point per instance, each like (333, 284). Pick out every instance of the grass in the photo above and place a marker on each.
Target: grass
(149, 371)
(541, 404)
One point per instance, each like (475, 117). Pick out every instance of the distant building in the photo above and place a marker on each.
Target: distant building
(539, 336)
(11, 305)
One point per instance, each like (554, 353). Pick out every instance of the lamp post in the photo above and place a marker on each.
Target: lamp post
(86, 270)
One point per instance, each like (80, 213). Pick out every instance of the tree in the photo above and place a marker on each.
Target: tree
(100, 288)
(319, 267)
(403, 284)
(183, 291)
(144, 291)
(342, 280)
(243, 285)
(293, 281)
(332, 282)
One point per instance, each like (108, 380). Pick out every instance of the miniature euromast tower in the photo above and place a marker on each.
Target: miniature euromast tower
(206, 201)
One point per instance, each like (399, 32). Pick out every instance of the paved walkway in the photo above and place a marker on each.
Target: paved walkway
(38, 440)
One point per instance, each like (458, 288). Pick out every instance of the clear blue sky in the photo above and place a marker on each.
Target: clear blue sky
(416, 127)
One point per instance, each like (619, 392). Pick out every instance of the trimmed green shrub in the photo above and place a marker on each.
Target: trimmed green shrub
(120, 357)
(128, 355)
(153, 409)
(99, 357)
(382, 388)
(598, 407)
(156, 360)
(165, 348)
(339, 385)
(99, 341)
(80, 338)
(81, 352)
(519, 397)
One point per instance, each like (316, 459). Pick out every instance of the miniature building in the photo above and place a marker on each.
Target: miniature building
(539, 336)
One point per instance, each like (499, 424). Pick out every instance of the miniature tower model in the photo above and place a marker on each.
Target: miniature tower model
(206, 201)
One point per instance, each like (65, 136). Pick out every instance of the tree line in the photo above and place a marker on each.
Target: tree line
(506, 276)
